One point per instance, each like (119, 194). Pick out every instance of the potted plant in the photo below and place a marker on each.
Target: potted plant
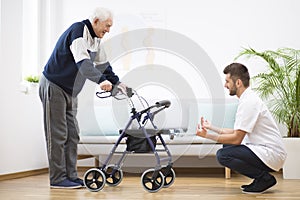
(32, 83)
(32, 79)
(280, 87)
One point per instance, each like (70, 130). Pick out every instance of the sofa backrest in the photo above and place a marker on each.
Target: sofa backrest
(108, 116)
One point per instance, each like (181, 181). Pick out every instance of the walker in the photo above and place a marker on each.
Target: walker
(140, 140)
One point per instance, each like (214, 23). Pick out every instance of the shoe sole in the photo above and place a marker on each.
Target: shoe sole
(64, 187)
(254, 192)
(245, 192)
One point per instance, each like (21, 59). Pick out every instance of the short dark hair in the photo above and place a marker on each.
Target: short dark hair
(238, 71)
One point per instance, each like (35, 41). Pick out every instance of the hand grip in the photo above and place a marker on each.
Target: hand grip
(165, 103)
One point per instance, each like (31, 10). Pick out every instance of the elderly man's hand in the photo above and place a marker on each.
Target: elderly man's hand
(123, 88)
(106, 85)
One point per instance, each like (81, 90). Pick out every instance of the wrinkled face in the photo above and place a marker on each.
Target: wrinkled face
(102, 27)
(230, 85)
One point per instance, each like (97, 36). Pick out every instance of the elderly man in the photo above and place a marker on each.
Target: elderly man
(76, 57)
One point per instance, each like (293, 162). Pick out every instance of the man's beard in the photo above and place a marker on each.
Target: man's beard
(232, 92)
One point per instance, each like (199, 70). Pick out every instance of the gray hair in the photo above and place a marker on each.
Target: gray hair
(102, 14)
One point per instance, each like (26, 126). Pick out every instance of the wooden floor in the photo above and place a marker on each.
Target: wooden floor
(186, 186)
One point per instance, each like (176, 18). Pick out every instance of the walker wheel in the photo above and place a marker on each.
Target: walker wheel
(113, 175)
(152, 180)
(94, 179)
(169, 176)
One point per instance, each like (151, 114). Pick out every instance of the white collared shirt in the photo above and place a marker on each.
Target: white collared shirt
(263, 136)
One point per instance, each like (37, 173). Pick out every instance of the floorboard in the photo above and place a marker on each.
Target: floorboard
(187, 185)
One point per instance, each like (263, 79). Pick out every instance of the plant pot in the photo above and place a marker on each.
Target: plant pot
(291, 167)
(32, 87)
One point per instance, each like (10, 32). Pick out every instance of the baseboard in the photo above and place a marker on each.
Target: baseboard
(180, 172)
(23, 174)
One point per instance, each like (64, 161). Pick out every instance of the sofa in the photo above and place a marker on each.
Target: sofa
(101, 120)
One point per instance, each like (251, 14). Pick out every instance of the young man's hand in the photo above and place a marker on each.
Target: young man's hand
(202, 127)
(205, 124)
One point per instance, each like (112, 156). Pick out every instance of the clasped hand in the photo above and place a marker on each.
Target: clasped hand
(107, 86)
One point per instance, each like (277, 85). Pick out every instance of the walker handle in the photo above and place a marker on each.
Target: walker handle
(165, 103)
(115, 92)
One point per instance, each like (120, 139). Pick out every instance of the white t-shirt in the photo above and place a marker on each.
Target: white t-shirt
(263, 136)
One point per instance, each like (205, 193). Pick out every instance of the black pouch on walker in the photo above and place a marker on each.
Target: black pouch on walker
(137, 142)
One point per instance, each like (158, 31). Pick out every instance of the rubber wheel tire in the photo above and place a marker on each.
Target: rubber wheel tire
(150, 183)
(116, 178)
(169, 176)
(94, 179)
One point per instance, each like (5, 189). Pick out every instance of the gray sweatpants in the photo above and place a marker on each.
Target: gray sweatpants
(61, 130)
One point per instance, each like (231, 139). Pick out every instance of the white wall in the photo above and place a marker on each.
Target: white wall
(22, 139)
(220, 27)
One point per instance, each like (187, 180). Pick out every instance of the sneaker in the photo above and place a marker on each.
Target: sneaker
(244, 186)
(66, 184)
(260, 185)
(79, 181)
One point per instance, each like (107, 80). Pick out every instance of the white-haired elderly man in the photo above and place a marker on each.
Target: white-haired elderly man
(76, 57)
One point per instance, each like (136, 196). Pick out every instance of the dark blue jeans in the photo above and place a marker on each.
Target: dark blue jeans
(242, 160)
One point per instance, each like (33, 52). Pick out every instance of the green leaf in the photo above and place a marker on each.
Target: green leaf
(279, 85)
(32, 79)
